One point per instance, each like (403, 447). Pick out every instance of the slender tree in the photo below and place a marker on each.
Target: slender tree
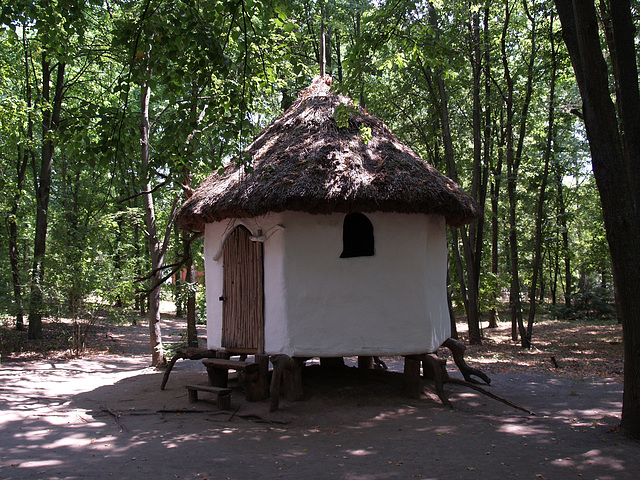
(537, 254)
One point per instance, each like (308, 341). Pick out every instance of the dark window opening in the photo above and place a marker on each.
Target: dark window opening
(357, 236)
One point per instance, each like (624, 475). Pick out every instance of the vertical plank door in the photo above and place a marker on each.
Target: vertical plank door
(243, 294)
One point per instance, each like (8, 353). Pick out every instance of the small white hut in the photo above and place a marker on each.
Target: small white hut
(332, 244)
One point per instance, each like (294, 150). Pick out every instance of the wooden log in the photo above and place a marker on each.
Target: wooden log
(255, 380)
(288, 371)
(279, 362)
(332, 362)
(292, 380)
(436, 369)
(457, 350)
(412, 385)
(365, 362)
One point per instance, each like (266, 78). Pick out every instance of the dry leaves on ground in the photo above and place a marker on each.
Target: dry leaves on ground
(576, 349)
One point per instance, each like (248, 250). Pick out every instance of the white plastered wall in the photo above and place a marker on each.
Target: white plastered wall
(318, 304)
(392, 303)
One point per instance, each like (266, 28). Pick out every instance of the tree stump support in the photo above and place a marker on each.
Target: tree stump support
(287, 372)
(412, 385)
(365, 362)
(433, 368)
(255, 381)
(457, 350)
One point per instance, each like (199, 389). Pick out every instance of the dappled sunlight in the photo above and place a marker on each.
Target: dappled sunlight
(597, 457)
(577, 349)
(361, 453)
(121, 423)
(522, 428)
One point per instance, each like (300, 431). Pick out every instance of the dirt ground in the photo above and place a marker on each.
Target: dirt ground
(104, 416)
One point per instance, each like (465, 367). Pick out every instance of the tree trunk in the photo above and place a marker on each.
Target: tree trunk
(626, 75)
(562, 217)
(338, 58)
(21, 166)
(155, 251)
(514, 293)
(611, 169)
(460, 270)
(14, 260)
(543, 186)
(495, 228)
(467, 243)
(14, 257)
(452, 313)
(190, 280)
(50, 121)
(513, 164)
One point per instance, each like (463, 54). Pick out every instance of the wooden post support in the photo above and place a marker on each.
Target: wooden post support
(288, 371)
(292, 378)
(332, 362)
(365, 362)
(278, 362)
(254, 380)
(435, 369)
(412, 384)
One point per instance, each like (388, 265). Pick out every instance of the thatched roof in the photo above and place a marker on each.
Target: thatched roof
(305, 162)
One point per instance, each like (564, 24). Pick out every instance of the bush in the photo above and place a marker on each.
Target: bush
(591, 302)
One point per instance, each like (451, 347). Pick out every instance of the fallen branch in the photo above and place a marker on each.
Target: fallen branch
(115, 415)
(489, 394)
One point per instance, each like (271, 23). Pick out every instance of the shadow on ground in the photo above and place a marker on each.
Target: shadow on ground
(106, 417)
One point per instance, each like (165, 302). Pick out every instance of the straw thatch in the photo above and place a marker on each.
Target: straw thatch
(305, 162)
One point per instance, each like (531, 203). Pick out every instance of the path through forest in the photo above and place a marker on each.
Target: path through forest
(104, 416)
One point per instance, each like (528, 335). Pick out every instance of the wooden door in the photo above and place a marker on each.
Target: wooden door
(243, 294)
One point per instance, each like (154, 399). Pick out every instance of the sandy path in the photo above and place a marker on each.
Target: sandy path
(105, 417)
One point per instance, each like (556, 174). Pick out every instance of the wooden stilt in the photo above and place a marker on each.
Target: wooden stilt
(435, 369)
(332, 362)
(287, 371)
(412, 384)
(254, 380)
(292, 380)
(279, 362)
(365, 362)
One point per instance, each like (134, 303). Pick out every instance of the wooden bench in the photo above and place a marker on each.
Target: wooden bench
(253, 376)
(223, 395)
(218, 369)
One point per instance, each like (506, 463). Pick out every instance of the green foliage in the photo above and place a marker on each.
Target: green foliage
(365, 134)
(343, 113)
(592, 302)
(219, 71)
